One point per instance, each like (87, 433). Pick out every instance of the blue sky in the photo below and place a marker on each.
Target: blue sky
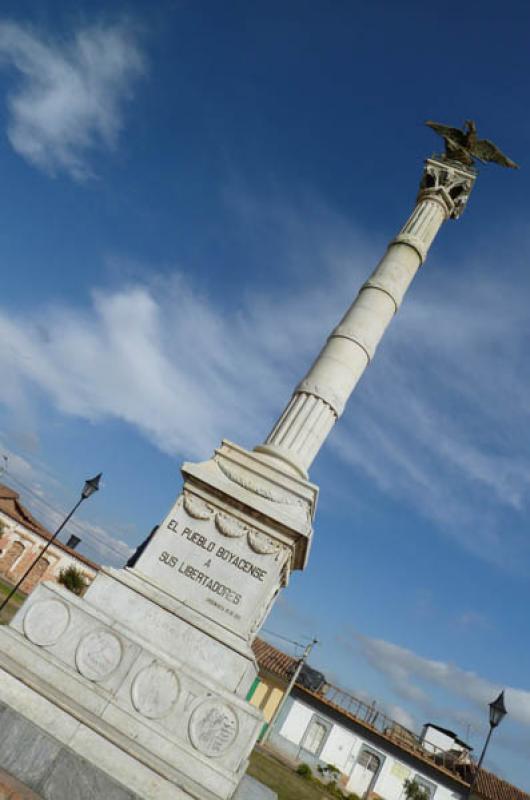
(192, 195)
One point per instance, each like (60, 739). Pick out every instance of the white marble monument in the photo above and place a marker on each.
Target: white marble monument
(139, 688)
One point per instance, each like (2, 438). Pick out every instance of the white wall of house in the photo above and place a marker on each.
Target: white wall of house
(367, 767)
(296, 723)
(339, 749)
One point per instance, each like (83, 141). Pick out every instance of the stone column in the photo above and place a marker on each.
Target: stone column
(143, 681)
(321, 396)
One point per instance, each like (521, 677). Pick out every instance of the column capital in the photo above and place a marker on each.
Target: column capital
(448, 182)
(444, 191)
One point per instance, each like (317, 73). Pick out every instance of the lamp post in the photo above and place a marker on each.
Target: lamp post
(497, 713)
(91, 486)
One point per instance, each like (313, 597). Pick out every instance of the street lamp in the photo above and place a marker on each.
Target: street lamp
(497, 714)
(91, 486)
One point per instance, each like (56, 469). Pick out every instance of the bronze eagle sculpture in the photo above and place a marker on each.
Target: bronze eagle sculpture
(464, 146)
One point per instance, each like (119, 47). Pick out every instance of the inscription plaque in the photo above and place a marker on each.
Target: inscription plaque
(215, 563)
(213, 728)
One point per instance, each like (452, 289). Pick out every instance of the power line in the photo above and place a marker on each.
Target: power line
(76, 525)
(284, 638)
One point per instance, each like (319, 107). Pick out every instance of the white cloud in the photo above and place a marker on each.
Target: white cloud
(437, 421)
(414, 677)
(69, 97)
(165, 362)
(440, 422)
(39, 490)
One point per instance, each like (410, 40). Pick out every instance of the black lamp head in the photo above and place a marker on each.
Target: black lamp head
(91, 486)
(497, 710)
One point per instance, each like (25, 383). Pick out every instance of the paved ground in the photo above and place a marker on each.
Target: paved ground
(11, 789)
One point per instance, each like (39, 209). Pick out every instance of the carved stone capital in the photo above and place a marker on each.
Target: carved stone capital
(448, 182)
(444, 191)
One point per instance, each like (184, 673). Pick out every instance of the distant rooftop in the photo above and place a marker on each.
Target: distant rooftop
(11, 506)
(452, 734)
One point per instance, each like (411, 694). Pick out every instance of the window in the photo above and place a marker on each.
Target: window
(13, 556)
(369, 761)
(40, 568)
(427, 786)
(314, 737)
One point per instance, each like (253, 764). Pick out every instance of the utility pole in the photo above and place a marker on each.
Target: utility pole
(292, 682)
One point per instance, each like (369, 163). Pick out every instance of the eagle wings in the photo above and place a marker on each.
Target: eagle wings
(464, 146)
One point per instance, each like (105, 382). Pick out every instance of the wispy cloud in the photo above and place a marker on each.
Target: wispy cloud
(39, 489)
(436, 422)
(439, 422)
(443, 691)
(69, 97)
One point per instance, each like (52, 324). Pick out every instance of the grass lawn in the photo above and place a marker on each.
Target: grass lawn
(15, 602)
(283, 780)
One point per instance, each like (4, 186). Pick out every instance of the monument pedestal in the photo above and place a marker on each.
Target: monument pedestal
(145, 678)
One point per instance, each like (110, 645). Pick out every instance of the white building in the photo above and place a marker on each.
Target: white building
(374, 754)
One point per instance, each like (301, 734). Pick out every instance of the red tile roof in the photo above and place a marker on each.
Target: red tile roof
(12, 507)
(273, 660)
(488, 786)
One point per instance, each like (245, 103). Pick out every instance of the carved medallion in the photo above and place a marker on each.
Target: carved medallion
(196, 507)
(46, 621)
(155, 690)
(213, 728)
(98, 654)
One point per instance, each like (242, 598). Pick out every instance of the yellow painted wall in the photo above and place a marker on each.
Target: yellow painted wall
(272, 703)
(267, 696)
(259, 694)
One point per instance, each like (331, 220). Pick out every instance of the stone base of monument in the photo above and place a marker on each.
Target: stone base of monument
(37, 766)
(142, 717)
(140, 687)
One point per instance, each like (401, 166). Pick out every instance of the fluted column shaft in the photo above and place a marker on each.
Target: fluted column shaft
(321, 396)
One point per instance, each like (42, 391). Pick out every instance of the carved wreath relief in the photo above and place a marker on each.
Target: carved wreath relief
(98, 654)
(213, 728)
(229, 526)
(46, 621)
(155, 690)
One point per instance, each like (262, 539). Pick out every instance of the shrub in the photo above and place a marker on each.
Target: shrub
(72, 578)
(329, 771)
(304, 770)
(413, 791)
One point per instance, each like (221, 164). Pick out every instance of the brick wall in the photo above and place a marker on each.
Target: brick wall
(19, 548)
